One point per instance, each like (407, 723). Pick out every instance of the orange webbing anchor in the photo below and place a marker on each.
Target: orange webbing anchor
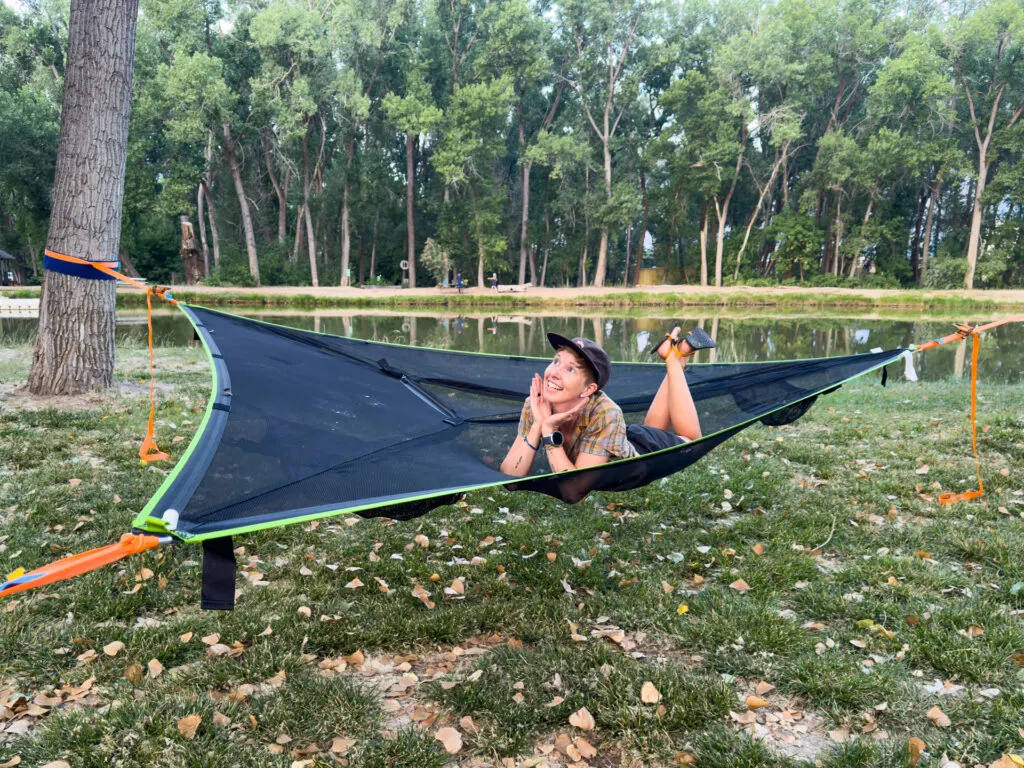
(149, 450)
(76, 565)
(953, 498)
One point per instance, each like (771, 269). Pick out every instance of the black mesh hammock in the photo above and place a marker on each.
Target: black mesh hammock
(302, 425)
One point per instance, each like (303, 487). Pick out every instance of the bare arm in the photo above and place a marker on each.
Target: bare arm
(519, 460)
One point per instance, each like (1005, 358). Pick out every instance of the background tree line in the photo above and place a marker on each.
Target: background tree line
(569, 143)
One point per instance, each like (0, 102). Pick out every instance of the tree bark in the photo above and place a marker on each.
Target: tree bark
(346, 243)
(310, 235)
(524, 244)
(74, 349)
(410, 212)
(205, 249)
(704, 245)
(643, 231)
(926, 246)
(214, 234)
(547, 249)
(243, 203)
(280, 191)
(373, 248)
(299, 227)
(974, 240)
(189, 252)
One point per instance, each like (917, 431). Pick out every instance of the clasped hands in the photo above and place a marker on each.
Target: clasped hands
(541, 409)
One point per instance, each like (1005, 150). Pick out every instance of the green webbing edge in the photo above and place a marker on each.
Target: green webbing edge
(143, 521)
(157, 525)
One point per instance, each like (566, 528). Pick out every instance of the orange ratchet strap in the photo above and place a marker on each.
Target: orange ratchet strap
(961, 333)
(76, 565)
(149, 450)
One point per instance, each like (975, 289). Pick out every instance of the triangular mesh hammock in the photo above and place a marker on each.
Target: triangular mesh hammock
(304, 425)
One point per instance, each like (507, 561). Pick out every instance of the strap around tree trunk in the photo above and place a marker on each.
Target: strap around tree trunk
(87, 270)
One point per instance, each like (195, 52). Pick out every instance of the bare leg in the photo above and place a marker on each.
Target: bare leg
(673, 408)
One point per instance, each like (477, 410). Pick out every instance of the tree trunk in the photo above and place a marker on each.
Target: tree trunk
(346, 243)
(839, 233)
(373, 247)
(926, 246)
(547, 249)
(299, 228)
(190, 252)
(757, 209)
(310, 234)
(243, 203)
(214, 234)
(74, 350)
(410, 218)
(602, 248)
(282, 193)
(855, 262)
(200, 199)
(704, 245)
(524, 245)
(976, 215)
(643, 231)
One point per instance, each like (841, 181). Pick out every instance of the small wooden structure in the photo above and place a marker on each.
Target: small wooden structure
(11, 271)
(652, 276)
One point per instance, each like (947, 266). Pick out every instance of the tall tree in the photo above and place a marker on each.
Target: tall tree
(74, 350)
(985, 50)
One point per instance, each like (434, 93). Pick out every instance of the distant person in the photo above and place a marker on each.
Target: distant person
(494, 281)
(459, 282)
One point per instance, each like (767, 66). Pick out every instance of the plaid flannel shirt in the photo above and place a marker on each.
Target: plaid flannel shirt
(599, 430)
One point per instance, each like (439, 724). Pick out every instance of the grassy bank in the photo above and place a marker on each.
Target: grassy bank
(809, 566)
(808, 300)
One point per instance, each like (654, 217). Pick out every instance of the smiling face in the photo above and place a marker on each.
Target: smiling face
(566, 380)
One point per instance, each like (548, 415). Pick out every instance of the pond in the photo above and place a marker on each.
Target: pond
(746, 336)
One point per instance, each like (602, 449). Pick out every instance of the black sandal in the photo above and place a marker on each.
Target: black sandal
(698, 339)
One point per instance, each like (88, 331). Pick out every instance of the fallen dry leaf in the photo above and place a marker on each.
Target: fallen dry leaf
(114, 648)
(938, 717)
(756, 702)
(586, 749)
(340, 746)
(759, 549)
(422, 540)
(649, 694)
(354, 584)
(582, 719)
(740, 585)
(763, 688)
(221, 720)
(56, 764)
(16, 760)
(155, 668)
(188, 726)
(304, 611)
(451, 739)
(915, 746)
(1008, 761)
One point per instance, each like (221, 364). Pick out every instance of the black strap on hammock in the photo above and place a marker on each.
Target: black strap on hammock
(219, 569)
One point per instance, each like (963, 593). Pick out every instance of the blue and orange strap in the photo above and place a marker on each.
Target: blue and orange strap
(107, 270)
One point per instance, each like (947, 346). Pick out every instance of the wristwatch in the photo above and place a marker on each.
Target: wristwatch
(554, 440)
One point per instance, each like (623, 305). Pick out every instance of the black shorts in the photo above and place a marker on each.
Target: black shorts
(649, 439)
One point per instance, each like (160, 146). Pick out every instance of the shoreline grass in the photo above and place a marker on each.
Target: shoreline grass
(808, 299)
(867, 603)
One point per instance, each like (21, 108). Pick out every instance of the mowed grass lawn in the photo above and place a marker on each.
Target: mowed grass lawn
(810, 567)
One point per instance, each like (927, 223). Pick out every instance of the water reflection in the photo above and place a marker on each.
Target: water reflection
(740, 338)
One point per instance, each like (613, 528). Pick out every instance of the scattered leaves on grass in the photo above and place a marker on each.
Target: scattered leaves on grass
(938, 717)
(304, 611)
(340, 746)
(759, 549)
(683, 609)
(458, 587)
(354, 584)
(740, 586)
(582, 719)
(422, 540)
(450, 738)
(155, 668)
(763, 688)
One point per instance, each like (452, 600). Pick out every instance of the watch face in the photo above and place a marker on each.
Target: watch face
(555, 439)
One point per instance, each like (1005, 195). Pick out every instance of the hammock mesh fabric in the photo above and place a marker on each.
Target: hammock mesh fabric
(303, 425)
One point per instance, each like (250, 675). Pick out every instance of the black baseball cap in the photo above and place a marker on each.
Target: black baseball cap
(595, 357)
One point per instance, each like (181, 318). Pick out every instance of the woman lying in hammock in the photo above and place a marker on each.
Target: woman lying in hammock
(578, 425)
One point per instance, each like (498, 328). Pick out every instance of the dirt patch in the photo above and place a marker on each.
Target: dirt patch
(782, 723)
